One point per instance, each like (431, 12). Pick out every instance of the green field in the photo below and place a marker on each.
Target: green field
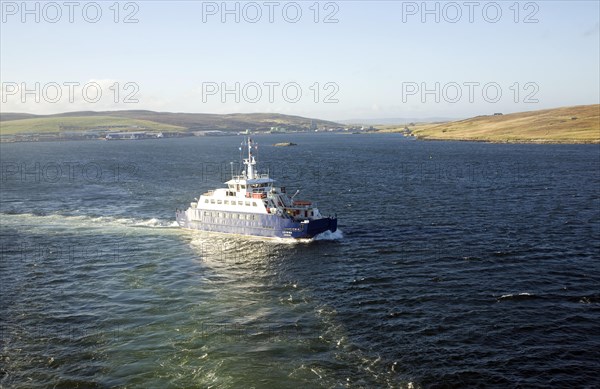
(49, 125)
(12, 123)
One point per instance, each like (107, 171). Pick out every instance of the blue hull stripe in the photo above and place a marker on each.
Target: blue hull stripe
(262, 225)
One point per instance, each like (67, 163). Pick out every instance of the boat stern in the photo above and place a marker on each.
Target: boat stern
(181, 218)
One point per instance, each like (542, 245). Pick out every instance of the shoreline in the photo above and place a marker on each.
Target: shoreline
(514, 141)
(414, 137)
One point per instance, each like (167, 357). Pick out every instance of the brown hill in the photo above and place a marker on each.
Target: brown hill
(578, 124)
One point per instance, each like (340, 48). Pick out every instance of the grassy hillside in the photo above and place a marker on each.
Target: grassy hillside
(16, 116)
(579, 124)
(183, 121)
(76, 123)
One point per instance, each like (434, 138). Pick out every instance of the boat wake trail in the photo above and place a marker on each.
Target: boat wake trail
(153, 223)
(82, 221)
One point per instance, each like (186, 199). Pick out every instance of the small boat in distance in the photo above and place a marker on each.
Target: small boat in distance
(253, 205)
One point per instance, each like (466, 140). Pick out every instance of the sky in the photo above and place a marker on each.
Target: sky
(334, 60)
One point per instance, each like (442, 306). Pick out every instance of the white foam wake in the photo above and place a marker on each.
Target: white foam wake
(96, 221)
(156, 223)
(328, 235)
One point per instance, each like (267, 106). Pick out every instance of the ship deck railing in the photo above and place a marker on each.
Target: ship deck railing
(303, 204)
(243, 177)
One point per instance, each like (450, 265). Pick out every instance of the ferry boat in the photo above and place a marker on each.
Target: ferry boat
(252, 204)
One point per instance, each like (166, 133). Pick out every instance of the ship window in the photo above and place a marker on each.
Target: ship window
(206, 201)
(247, 203)
(240, 203)
(254, 203)
(226, 202)
(212, 201)
(219, 201)
(243, 186)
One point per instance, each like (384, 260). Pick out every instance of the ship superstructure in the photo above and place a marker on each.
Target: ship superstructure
(252, 204)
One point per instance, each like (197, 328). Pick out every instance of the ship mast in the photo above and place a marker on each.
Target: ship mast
(250, 162)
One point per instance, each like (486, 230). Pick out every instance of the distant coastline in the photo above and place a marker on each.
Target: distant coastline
(134, 125)
(565, 125)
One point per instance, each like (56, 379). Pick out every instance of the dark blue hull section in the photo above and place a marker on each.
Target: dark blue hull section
(253, 224)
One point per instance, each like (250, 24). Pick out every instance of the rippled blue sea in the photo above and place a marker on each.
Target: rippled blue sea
(456, 265)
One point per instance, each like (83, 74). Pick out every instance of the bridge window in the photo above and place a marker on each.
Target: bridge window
(254, 203)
